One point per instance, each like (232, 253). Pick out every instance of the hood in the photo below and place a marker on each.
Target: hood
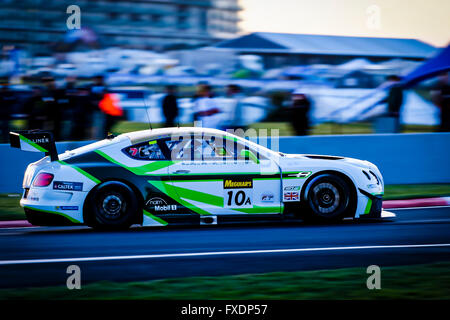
(356, 162)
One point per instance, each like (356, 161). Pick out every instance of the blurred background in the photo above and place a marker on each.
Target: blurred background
(86, 68)
(365, 79)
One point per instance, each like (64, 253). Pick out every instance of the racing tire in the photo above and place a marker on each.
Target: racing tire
(328, 198)
(112, 206)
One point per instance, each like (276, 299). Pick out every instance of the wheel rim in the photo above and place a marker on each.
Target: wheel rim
(112, 206)
(326, 198)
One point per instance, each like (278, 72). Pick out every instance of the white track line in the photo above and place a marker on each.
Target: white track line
(216, 253)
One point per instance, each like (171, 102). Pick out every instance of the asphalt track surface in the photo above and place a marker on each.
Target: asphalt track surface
(40, 256)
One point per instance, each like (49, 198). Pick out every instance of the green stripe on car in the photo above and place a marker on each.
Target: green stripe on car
(84, 173)
(155, 218)
(256, 209)
(31, 143)
(141, 170)
(172, 192)
(368, 207)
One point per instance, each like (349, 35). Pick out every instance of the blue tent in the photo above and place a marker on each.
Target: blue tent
(430, 68)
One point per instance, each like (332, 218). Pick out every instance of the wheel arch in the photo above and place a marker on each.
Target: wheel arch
(345, 177)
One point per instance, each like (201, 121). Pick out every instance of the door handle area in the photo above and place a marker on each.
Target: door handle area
(181, 171)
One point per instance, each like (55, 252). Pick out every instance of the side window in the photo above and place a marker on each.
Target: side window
(148, 150)
(180, 148)
(244, 151)
(200, 148)
(212, 148)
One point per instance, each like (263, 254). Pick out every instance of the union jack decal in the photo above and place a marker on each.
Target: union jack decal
(291, 196)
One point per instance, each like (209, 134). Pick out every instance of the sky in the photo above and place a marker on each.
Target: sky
(426, 20)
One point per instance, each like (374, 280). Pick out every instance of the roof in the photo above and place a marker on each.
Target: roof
(144, 135)
(260, 42)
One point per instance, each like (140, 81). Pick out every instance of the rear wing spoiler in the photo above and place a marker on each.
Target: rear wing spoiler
(34, 141)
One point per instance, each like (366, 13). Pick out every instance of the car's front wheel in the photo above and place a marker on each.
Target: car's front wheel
(329, 198)
(112, 205)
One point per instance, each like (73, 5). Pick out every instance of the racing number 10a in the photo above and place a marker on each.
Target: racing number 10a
(238, 198)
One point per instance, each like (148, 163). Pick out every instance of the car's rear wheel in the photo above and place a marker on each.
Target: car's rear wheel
(112, 205)
(329, 198)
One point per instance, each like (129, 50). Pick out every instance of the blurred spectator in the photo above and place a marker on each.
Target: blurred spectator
(198, 94)
(395, 101)
(234, 93)
(101, 123)
(53, 110)
(35, 109)
(170, 106)
(300, 112)
(441, 97)
(206, 109)
(67, 101)
(82, 119)
(7, 100)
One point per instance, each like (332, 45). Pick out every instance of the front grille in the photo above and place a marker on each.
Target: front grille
(377, 207)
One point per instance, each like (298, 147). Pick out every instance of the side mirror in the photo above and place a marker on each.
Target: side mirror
(249, 155)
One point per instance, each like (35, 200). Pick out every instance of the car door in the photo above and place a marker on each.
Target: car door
(148, 163)
(214, 175)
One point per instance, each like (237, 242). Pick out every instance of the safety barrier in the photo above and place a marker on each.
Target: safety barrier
(410, 158)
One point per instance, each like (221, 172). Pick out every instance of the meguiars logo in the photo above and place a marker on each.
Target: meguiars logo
(241, 183)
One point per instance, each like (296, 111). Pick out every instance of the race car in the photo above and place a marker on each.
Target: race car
(190, 175)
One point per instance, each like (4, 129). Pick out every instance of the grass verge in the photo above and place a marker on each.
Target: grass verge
(429, 281)
(411, 191)
(10, 208)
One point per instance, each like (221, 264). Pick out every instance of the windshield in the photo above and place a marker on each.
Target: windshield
(263, 150)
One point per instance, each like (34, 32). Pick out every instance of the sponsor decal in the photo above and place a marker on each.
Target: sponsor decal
(304, 174)
(156, 202)
(66, 207)
(68, 186)
(159, 204)
(292, 188)
(40, 140)
(168, 207)
(267, 197)
(237, 183)
(133, 151)
(291, 196)
(33, 198)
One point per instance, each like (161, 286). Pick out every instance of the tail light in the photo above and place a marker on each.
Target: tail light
(43, 179)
